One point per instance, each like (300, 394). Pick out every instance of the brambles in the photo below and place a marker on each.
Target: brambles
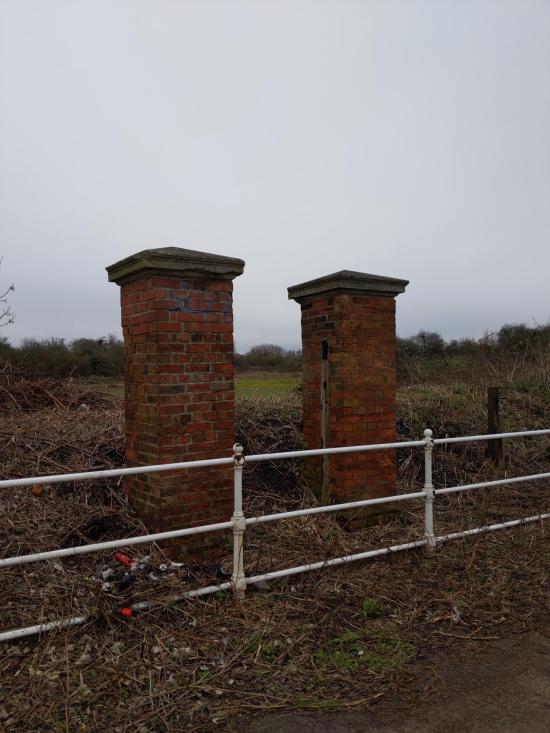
(22, 393)
(323, 640)
(268, 425)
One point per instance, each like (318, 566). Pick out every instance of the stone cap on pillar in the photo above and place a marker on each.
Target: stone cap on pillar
(347, 281)
(175, 261)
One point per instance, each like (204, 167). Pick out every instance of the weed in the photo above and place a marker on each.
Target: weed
(257, 644)
(372, 608)
(379, 649)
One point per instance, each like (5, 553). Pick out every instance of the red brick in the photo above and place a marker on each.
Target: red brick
(179, 392)
(360, 331)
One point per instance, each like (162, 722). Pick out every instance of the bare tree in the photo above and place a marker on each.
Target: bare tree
(6, 313)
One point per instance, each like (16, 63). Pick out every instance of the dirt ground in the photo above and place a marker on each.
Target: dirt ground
(504, 688)
(439, 641)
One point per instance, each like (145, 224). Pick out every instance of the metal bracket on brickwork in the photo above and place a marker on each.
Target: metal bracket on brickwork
(429, 492)
(238, 578)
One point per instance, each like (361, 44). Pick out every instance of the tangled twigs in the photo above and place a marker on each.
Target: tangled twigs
(343, 637)
(26, 394)
(268, 425)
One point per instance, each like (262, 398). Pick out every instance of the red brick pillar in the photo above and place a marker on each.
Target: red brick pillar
(177, 320)
(349, 363)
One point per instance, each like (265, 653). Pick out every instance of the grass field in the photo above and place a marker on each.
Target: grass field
(248, 384)
(266, 383)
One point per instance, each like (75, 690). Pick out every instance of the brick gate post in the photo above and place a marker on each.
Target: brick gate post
(177, 321)
(349, 391)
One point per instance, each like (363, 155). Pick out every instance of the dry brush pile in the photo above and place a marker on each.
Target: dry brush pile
(339, 638)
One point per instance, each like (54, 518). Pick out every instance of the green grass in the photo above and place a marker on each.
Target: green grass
(372, 608)
(267, 383)
(247, 384)
(381, 650)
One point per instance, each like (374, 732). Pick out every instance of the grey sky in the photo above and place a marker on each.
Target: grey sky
(406, 138)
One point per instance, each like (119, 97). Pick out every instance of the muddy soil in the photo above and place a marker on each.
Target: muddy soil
(504, 688)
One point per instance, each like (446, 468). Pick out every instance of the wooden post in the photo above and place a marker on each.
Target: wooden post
(495, 448)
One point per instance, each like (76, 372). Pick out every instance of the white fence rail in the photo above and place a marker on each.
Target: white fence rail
(239, 522)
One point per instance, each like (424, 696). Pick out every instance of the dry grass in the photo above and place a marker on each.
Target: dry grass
(338, 638)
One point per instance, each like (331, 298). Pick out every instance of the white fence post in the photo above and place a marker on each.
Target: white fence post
(428, 490)
(238, 578)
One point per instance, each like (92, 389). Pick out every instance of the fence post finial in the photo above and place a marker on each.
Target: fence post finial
(238, 578)
(428, 490)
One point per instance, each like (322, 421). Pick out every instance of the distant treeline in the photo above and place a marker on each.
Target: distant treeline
(105, 356)
(58, 357)
(515, 351)
(513, 338)
(270, 357)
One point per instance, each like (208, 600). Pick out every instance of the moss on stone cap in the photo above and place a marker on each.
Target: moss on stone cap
(348, 281)
(175, 261)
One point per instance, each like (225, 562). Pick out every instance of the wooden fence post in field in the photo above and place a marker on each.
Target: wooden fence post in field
(495, 448)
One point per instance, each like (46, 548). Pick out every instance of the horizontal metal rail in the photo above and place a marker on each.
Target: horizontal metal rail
(42, 628)
(13, 634)
(113, 472)
(182, 465)
(203, 529)
(488, 484)
(239, 522)
(387, 550)
(77, 620)
(493, 527)
(491, 436)
(333, 507)
(112, 544)
(333, 562)
(333, 451)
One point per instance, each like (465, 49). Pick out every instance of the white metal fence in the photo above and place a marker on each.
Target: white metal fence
(239, 522)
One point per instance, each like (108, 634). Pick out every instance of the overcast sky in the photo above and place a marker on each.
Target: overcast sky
(408, 138)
